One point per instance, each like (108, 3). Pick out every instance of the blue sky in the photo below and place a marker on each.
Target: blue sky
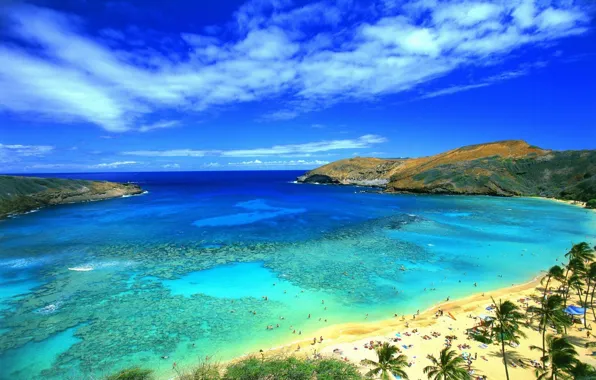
(281, 84)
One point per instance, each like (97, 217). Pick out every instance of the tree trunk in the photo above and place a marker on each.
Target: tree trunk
(545, 289)
(592, 302)
(504, 357)
(544, 343)
(567, 288)
(586, 304)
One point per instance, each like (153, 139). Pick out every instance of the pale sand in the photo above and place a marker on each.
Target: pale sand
(572, 203)
(347, 337)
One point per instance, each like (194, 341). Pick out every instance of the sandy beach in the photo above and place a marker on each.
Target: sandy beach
(351, 341)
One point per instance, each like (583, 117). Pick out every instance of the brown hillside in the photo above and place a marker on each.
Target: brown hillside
(402, 175)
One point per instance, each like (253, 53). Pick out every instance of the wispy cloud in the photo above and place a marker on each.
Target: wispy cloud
(73, 166)
(279, 163)
(168, 153)
(482, 83)
(14, 152)
(159, 125)
(365, 141)
(308, 57)
(112, 165)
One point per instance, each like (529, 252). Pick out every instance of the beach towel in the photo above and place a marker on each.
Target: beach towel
(574, 310)
(483, 346)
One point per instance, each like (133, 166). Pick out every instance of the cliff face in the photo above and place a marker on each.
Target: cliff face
(22, 194)
(503, 168)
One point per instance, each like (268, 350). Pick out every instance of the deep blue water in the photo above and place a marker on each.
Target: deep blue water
(182, 270)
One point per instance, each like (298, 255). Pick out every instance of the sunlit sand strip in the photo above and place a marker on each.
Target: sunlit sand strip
(347, 341)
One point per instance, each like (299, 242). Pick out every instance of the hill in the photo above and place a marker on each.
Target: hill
(504, 168)
(22, 194)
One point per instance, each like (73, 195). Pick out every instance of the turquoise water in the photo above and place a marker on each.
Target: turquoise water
(183, 271)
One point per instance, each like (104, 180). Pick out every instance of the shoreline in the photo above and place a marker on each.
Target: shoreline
(352, 331)
(571, 203)
(351, 341)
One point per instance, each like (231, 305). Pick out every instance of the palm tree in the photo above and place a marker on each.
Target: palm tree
(583, 371)
(388, 364)
(574, 282)
(562, 358)
(555, 272)
(507, 326)
(449, 366)
(550, 313)
(591, 279)
(581, 253)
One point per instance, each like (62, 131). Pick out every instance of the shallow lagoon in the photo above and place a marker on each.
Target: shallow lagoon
(181, 271)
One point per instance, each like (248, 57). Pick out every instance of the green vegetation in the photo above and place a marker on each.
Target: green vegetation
(206, 370)
(388, 364)
(291, 368)
(591, 203)
(22, 194)
(576, 280)
(550, 314)
(134, 373)
(449, 365)
(563, 175)
(253, 368)
(560, 359)
(507, 326)
(505, 168)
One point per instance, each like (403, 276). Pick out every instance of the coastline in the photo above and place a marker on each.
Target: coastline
(571, 203)
(349, 341)
(351, 331)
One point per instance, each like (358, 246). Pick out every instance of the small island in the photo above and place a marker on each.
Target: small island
(22, 194)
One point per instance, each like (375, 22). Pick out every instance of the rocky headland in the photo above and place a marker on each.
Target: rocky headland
(22, 194)
(503, 168)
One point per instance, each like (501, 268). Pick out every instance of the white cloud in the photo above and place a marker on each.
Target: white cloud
(524, 13)
(483, 83)
(14, 152)
(159, 125)
(365, 141)
(211, 165)
(112, 165)
(279, 163)
(467, 13)
(167, 153)
(71, 166)
(309, 57)
(171, 166)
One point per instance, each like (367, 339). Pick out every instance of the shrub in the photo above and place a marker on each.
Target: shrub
(591, 203)
(204, 371)
(134, 373)
(481, 338)
(292, 369)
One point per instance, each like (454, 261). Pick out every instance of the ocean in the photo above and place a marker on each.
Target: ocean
(204, 262)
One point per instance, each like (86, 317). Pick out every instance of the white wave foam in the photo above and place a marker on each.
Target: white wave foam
(100, 265)
(85, 268)
(49, 309)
